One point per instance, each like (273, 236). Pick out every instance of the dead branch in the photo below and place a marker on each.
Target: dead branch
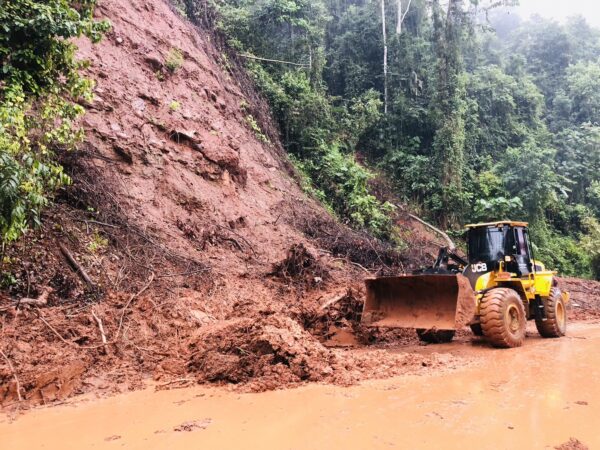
(100, 326)
(104, 342)
(192, 272)
(14, 374)
(76, 266)
(131, 299)
(95, 222)
(274, 60)
(58, 335)
(354, 264)
(451, 245)
(333, 301)
(42, 300)
(240, 236)
(183, 382)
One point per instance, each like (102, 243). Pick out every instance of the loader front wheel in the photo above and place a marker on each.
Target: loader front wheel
(503, 319)
(435, 336)
(555, 324)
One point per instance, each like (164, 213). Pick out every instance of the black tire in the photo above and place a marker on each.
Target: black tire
(435, 336)
(503, 319)
(476, 329)
(555, 324)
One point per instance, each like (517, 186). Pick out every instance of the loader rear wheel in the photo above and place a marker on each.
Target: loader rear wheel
(503, 319)
(555, 324)
(435, 336)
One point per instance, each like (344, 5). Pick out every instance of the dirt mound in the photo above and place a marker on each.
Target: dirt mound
(275, 351)
(301, 266)
(585, 298)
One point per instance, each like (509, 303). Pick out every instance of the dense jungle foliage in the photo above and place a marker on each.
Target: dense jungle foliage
(39, 86)
(473, 114)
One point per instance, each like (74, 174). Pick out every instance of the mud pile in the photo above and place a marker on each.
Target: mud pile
(585, 298)
(179, 213)
(275, 351)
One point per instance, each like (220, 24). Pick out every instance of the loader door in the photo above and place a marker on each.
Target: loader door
(522, 255)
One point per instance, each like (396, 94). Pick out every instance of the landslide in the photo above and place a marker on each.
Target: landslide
(185, 249)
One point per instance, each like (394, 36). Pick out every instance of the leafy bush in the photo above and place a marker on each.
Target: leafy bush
(321, 139)
(174, 60)
(591, 243)
(39, 83)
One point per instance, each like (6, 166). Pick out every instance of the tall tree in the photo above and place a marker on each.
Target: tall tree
(385, 59)
(449, 109)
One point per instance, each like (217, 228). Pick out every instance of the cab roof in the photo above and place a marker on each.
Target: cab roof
(501, 223)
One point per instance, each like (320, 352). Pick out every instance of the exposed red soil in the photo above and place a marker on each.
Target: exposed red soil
(182, 217)
(585, 298)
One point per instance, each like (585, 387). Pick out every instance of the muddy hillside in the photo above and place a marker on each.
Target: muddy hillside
(185, 250)
(185, 225)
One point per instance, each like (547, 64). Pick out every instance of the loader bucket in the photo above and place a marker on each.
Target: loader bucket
(443, 302)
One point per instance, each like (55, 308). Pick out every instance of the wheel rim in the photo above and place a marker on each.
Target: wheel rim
(512, 319)
(561, 317)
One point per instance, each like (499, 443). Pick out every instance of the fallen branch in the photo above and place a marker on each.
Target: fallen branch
(42, 300)
(333, 301)
(14, 374)
(101, 327)
(58, 335)
(95, 222)
(76, 266)
(451, 245)
(104, 342)
(183, 382)
(192, 272)
(354, 264)
(240, 236)
(274, 61)
(131, 299)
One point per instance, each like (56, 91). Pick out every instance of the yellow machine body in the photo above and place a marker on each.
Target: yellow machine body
(447, 300)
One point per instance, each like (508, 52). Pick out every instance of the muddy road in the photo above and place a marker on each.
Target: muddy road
(536, 397)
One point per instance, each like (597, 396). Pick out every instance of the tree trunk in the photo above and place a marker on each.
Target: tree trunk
(385, 60)
(449, 138)
(399, 24)
(401, 16)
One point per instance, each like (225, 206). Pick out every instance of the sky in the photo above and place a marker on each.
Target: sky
(560, 9)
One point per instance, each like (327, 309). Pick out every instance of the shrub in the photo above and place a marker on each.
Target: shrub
(174, 60)
(39, 83)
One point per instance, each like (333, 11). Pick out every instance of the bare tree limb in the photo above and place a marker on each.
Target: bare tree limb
(14, 373)
(274, 61)
(101, 327)
(451, 245)
(76, 266)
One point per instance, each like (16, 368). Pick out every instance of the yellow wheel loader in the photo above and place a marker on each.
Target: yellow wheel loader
(495, 291)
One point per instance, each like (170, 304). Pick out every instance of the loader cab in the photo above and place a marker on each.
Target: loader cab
(491, 243)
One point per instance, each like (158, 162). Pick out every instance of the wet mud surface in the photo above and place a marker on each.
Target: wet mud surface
(539, 396)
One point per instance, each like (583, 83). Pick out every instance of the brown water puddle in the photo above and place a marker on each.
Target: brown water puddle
(535, 397)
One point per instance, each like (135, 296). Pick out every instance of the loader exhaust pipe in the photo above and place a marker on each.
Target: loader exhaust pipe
(442, 302)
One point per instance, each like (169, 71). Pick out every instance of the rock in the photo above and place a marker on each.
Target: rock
(201, 317)
(138, 104)
(184, 137)
(154, 61)
(211, 95)
(123, 153)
